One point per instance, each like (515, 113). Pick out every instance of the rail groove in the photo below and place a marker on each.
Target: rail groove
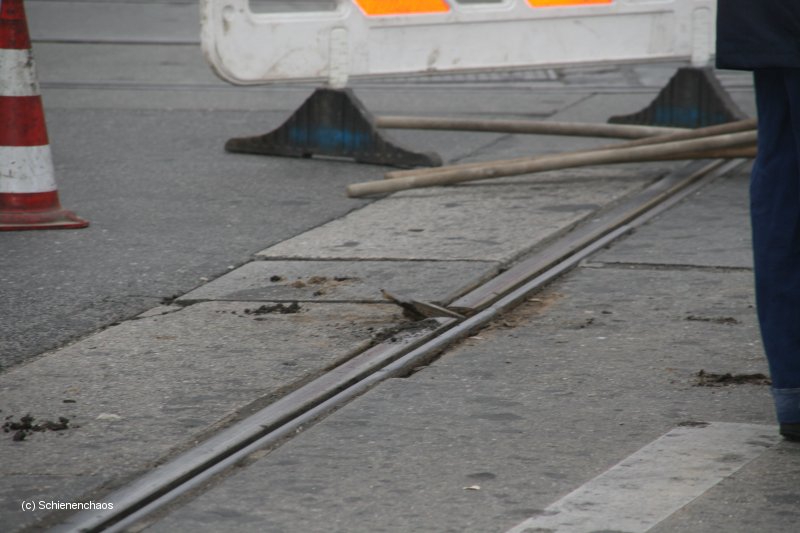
(299, 409)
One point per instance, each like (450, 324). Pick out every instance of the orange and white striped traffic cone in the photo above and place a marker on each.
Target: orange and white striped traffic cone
(28, 193)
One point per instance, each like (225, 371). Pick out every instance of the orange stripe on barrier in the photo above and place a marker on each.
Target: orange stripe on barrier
(402, 7)
(572, 3)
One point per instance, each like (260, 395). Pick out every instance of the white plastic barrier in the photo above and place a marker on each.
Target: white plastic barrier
(379, 37)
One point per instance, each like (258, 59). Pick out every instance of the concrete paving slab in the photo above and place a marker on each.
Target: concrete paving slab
(712, 229)
(656, 481)
(414, 457)
(25, 489)
(495, 223)
(612, 319)
(762, 497)
(518, 416)
(139, 391)
(360, 281)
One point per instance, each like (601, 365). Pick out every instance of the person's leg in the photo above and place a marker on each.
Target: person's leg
(775, 216)
(787, 394)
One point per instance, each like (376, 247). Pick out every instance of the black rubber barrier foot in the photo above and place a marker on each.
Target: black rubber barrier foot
(334, 123)
(693, 98)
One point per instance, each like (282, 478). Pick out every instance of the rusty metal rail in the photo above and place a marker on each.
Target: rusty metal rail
(293, 413)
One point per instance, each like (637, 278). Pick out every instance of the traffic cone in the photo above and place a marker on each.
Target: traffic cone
(28, 192)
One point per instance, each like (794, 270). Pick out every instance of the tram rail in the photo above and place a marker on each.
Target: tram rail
(300, 409)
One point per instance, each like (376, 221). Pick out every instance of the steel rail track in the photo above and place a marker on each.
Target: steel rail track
(301, 408)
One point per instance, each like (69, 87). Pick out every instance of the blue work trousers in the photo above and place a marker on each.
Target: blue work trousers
(775, 217)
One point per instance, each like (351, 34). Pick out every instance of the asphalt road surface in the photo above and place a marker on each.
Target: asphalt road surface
(137, 124)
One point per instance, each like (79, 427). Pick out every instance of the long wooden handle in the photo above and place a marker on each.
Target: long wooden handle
(544, 127)
(708, 131)
(658, 152)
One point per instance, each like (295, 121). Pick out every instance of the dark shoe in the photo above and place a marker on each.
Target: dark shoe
(791, 432)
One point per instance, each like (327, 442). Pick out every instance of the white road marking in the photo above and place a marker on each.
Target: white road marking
(661, 478)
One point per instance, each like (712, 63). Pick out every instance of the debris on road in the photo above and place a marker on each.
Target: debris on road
(25, 426)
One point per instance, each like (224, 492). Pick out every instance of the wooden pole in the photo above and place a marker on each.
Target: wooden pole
(664, 151)
(579, 129)
(719, 129)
